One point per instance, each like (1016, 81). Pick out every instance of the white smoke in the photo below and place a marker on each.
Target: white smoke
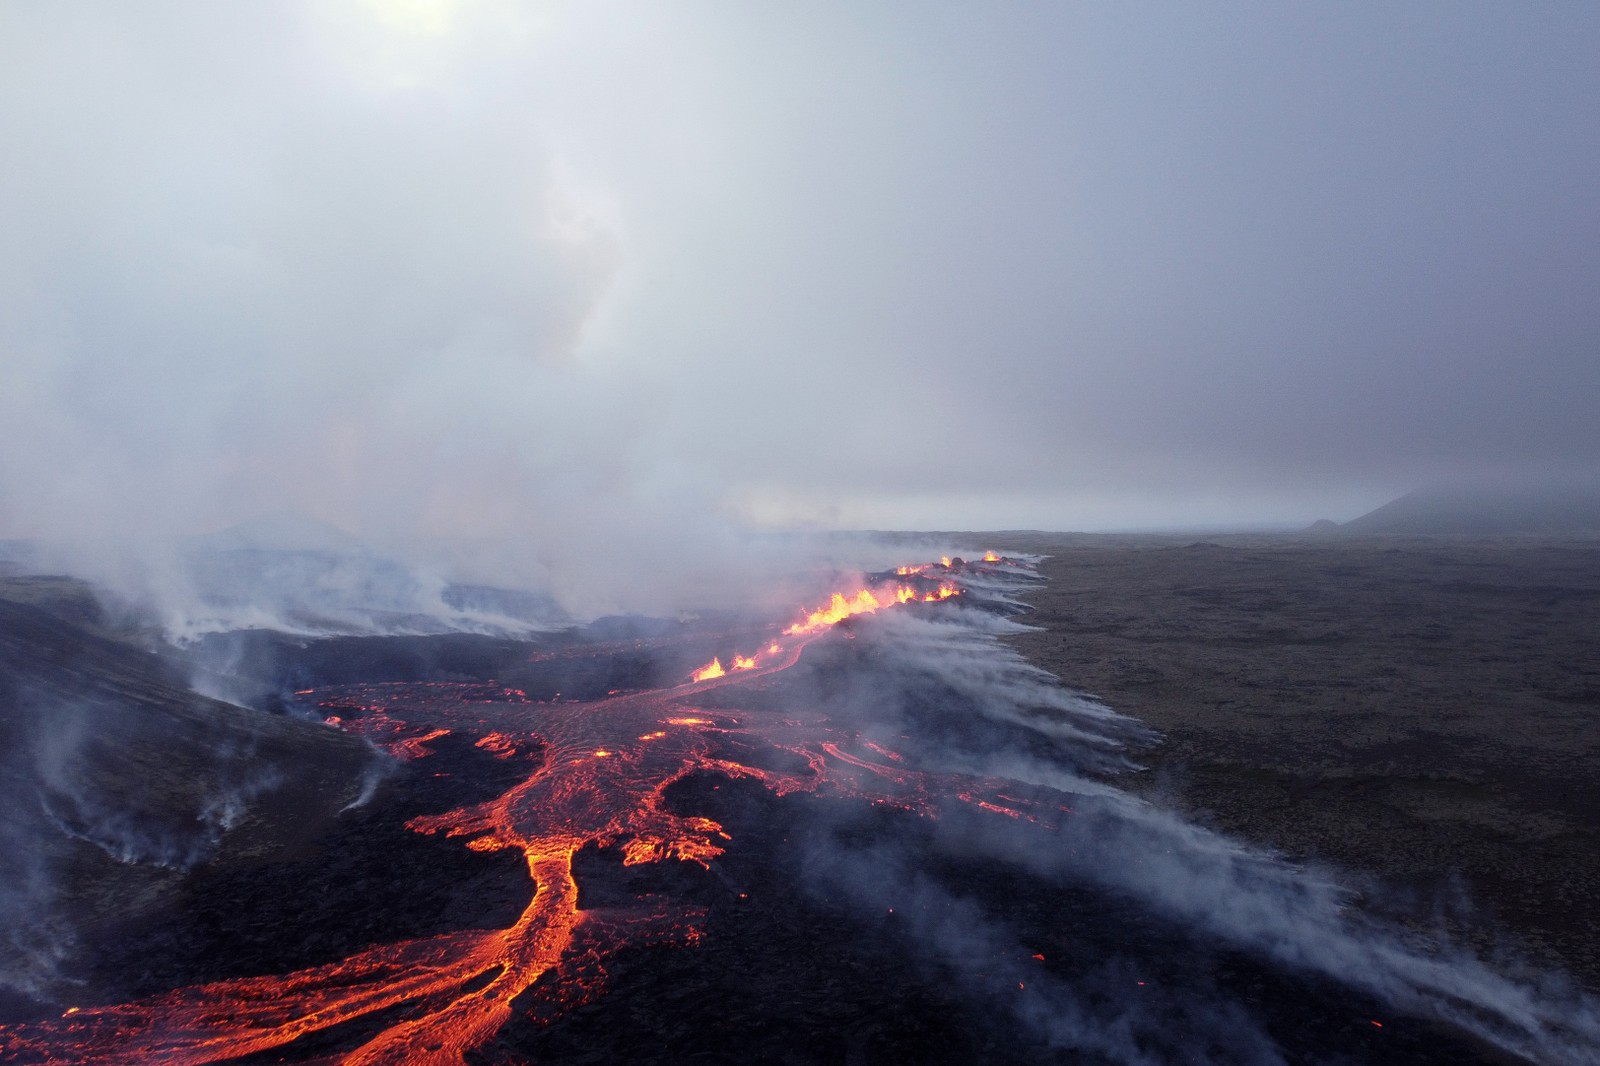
(1303, 920)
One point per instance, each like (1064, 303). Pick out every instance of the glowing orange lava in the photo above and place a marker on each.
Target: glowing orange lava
(708, 671)
(597, 774)
(838, 609)
(862, 601)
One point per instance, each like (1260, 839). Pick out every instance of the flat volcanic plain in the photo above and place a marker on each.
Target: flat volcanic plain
(1420, 712)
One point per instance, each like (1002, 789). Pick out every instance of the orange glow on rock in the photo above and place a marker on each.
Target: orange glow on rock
(596, 774)
(499, 744)
(866, 601)
(415, 747)
(708, 671)
(838, 608)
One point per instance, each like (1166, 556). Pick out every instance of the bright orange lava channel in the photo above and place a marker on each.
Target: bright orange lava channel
(596, 774)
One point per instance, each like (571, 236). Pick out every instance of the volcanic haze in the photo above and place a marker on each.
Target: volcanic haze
(488, 282)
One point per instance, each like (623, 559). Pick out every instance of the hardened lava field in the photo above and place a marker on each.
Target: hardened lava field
(870, 834)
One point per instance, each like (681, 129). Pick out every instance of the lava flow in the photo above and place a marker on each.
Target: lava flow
(596, 774)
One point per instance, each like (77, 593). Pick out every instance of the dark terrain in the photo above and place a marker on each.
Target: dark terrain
(1422, 712)
(1423, 709)
(119, 777)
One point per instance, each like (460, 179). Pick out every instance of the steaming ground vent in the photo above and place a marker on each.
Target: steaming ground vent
(952, 806)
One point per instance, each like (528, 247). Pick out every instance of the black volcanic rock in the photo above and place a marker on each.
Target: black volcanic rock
(831, 924)
(328, 897)
(119, 777)
(268, 662)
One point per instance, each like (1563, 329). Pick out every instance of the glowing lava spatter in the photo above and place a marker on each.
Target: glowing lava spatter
(596, 774)
(862, 601)
(837, 609)
(708, 671)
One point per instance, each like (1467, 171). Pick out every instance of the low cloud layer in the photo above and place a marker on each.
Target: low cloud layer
(511, 284)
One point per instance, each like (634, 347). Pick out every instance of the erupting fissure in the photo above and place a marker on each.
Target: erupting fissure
(840, 607)
(595, 774)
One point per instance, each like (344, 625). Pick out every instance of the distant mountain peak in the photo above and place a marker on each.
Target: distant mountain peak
(1488, 509)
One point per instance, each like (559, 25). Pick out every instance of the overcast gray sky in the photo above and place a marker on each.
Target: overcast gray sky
(552, 272)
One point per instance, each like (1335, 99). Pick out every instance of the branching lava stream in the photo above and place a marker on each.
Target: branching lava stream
(596, 774)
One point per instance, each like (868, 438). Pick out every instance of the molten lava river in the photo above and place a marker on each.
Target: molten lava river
(595, 774)
(1103, 928)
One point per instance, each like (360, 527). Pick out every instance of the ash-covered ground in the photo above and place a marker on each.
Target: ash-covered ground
(1422, 709)
(970, 867)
